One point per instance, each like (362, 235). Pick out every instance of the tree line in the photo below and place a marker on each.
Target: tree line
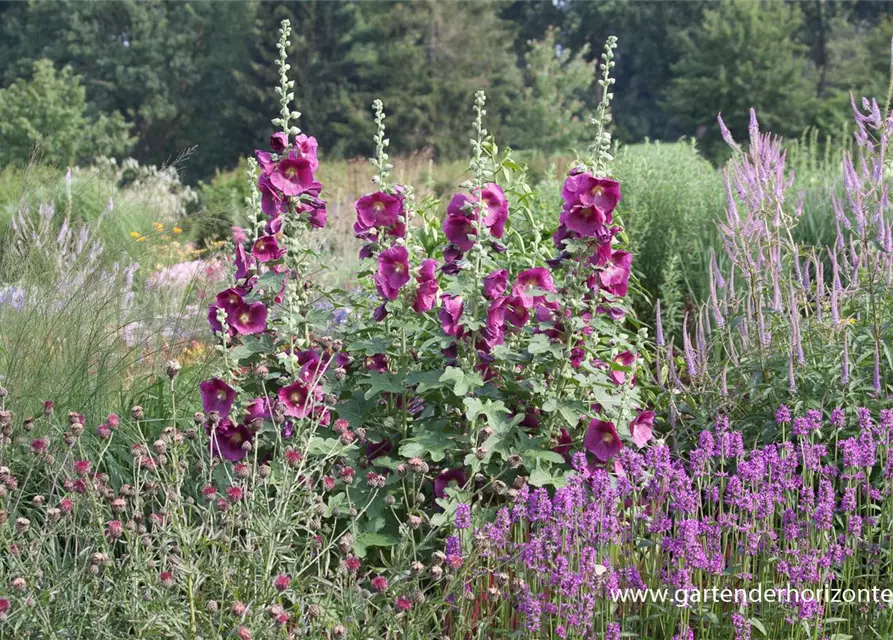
(155, 79)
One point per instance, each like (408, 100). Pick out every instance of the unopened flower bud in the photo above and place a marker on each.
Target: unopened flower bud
(137, 412)
(172, 368)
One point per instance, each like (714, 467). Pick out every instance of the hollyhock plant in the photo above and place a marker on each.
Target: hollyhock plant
(249, 319)
(393, 272)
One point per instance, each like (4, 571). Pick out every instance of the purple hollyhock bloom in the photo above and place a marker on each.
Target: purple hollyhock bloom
(258, 409)
(458, 229)
(625, 359)
(425, 296)
(380, 312)
(444, 480)
(393, 271)
(462, 205)
(318, 214)
(267, 248)
(601, 440)
(427, 270)
(272, 202)
(538, 277)
(586, 189)
(279, 142)
(265, 160)
(586, 220)
(496, 208)
(615, 277)
(227, 439)
(217, 396)
(230, 299)
(450, 314)
(299, 397)
(493, 332)
(242, 262)
(377, 449)
(307, 145)
(641, 428)
(249, 319)
(515, 311)
(561, 235)
(293, 174)
(216, 327)
(378, 362)
(495, 284)
(378, 209)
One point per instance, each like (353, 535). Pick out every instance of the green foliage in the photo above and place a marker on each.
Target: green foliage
(671, 197)
(50, 112)
(744, 54)
(551, 113)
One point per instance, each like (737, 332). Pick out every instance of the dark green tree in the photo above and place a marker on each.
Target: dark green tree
(167, 66)
(744, 54)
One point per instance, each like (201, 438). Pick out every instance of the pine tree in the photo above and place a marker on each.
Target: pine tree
(744, 54)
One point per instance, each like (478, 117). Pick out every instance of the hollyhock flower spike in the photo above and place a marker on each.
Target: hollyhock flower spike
(601, 440)
(217, 396)
(495, 284)
(293, 174)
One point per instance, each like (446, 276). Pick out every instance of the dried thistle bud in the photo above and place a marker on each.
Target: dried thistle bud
(515, 461)
(137, 412)
(436, 572)
(172, 368)
(198, 417)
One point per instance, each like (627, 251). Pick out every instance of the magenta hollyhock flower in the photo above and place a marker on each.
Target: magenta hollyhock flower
(446, 478)
(450, 315)
(216, 327)
(586, 189)
(586, 220)
(265, 160)
(272, 202)
(539, 278)
(293, 174)
(378, 362)
(425, 296)
(641, 428)
(279, 142)
(230, 299)
(249, 319)
(496, 208)
(299, 397)
(458, 229)
(427, 270)
(258, 409)
(515, 311)
(493, 331)
(615, 277)
(267, 248)
(495, 284)
(227, 439)
(601, 440)
(243, 262)
(378, 209)
(393, 271)
(625, 359)
(217, 396)
(307, 145)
